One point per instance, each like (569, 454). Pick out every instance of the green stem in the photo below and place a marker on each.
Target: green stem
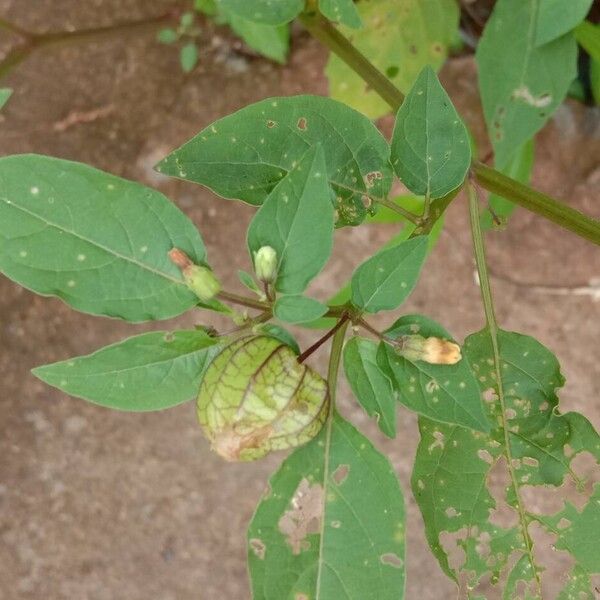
(340, 45)
(334, 361)
(536, 202)
(243, 301)
(489, 178)
(399, 209)
(492, 326)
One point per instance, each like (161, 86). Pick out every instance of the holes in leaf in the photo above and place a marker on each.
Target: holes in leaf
(271, 124)
(258, 547)
(303, 517)
(392, 71)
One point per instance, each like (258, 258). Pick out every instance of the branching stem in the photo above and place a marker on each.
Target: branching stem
(343, 322)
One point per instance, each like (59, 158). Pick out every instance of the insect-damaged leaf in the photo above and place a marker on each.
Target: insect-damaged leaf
(268, 12)
(151, 371)
(386, 279)
(534, 80)
(297, 221)
(444, 392)
(370, 384)
(430, 145)
(331, 524)
(244, 155)
(399, 39)
(96, 241)
(531, 444)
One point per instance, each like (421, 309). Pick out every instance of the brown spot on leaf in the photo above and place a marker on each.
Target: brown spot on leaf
(303, 517)
(340, 474)
(258, 547)
(271, 124)
(302, 124)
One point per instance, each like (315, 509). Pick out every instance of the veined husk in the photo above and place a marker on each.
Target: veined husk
(255, 397)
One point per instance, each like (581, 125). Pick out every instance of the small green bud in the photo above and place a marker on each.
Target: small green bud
(432, 350)
(200, 279)
(265, 264)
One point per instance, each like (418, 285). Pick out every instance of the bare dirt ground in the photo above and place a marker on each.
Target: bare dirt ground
(98, 505)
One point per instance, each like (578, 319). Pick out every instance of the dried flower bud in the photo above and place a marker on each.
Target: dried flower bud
(433, 350)
(265, 264)
(200, 279)
(255, 397)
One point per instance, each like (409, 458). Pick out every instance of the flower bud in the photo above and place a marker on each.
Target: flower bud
(432, 350)
(255, 397)
(265, 264)
(200, 279)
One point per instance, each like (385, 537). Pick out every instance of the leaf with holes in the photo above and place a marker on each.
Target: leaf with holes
(519, 168)
(555, 18)
(245, 155)
(534, 80)
(341, 11)
(370, 384)
(268, 12)
(151, 371)
(399, 39)
(447, 393)
(386, 279)
(431, 153)
(96, 241)
(298, 309)
(331, 524)
(297, 221)
(5, 94)
(531, 447)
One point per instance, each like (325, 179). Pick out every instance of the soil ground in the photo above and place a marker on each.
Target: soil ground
(99, 505)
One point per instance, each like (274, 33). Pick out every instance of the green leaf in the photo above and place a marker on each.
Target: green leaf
(96, 241)
(588, 35)
(331, 525)
(556, 17)
(430, 145)
(248, 281)
(298, 309)
(532, 445)
(167, 36)
(272, 42)
(188, 57)
(246, 154)
(446, 393)
(519, 168)
(410, 203)
(371, 386)
(5, 94)
(341, 11)
(534, 80)
(385, 280)
(268, 12)
(399, 41)
(281, 334)
(186, 20)
(146, 372)
(297, 221)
